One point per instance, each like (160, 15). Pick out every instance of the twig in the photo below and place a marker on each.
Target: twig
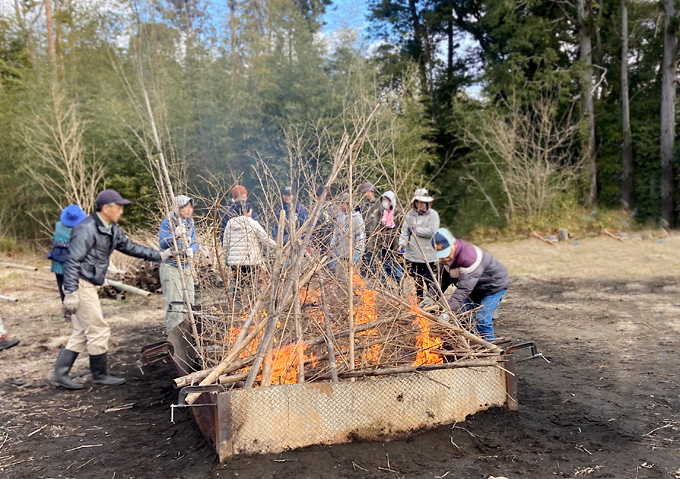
(120, 408)
(83, 447)
(38, 430)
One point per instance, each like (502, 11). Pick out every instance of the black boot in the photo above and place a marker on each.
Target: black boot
(100, 376)
(6, 343)
(61, 369)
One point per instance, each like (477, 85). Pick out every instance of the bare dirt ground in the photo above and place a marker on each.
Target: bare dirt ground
(606, 314)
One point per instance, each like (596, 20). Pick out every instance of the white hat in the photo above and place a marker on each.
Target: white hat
(423, 195)
(180, 201)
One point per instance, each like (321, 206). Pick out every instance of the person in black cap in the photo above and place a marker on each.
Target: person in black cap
(294, 212)
(92, 243)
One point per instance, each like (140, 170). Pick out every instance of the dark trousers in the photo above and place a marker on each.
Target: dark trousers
(60, 284)
(422, 276)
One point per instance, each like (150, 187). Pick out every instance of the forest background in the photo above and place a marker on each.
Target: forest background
(516, 114)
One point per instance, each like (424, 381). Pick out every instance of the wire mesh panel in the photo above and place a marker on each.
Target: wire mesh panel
(285, 417)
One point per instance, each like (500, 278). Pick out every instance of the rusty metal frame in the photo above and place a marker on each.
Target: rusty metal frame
(223, 427)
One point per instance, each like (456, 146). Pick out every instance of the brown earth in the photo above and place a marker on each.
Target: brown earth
(606, 314)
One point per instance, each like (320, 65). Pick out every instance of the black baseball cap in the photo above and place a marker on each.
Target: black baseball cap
(106, 197)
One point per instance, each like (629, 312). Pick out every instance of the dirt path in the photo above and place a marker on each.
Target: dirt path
(608, 404)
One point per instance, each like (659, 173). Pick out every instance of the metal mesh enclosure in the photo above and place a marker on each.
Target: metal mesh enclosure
(291, 416)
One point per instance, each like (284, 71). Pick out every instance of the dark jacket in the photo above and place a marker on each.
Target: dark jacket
(90, 248)
(300, 217)
(479, 275)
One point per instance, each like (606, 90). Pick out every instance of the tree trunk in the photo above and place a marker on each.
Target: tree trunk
(668, 67)
(50, 33)
(60, 41)
(628, 188)
(449, 58)
(585, 35)
(419, 38)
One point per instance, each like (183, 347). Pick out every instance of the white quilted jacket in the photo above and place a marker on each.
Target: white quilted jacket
(241, 242)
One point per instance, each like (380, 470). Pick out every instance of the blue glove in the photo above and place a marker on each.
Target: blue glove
(411, 230)
(356, 257)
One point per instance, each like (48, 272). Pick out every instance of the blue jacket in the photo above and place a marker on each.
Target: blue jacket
(300, 217)
(165, 238)
(59, 252)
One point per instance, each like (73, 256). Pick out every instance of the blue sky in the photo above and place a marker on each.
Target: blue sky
(345, 14)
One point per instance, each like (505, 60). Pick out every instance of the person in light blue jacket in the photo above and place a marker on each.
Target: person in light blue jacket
(169, 235)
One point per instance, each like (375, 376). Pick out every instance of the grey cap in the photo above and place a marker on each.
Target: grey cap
(287, 190)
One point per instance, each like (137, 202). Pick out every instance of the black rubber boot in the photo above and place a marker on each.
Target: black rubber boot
(100, 375)
(6, 343)
(61, 369)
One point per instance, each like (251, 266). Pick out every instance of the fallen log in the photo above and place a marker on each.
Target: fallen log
(19, 266)
(127, 288)
(608, 232)
(536, 234)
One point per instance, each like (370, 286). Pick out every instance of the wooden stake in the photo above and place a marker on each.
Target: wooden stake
(171, 223)
(329, 334)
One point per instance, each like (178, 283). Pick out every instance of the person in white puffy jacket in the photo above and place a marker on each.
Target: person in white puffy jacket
(344, 247)
(242, 240)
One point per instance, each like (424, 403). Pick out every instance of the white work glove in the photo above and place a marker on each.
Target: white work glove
(166, 254)
(181, 230)
(426, 302)
(71, 302)
(190, 253)
(444, 316)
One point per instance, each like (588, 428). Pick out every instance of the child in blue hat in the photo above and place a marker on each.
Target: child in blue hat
(70, 217)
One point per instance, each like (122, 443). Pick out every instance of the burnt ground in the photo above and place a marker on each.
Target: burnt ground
(606, 406)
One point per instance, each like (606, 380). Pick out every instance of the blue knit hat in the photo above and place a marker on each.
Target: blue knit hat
(72, 215)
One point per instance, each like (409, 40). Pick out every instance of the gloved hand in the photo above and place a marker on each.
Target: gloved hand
(166, 254)
(356, 257)
(401, 251)
(181, 230)
(71, 301)
(190, 253)
(444, 316)
(426, 302)
(411, 230)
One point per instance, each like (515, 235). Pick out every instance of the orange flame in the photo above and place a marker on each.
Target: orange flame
(365, 312)
(284, 364)
(424, 342)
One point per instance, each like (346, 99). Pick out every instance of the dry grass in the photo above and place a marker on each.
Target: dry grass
(599, 258)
